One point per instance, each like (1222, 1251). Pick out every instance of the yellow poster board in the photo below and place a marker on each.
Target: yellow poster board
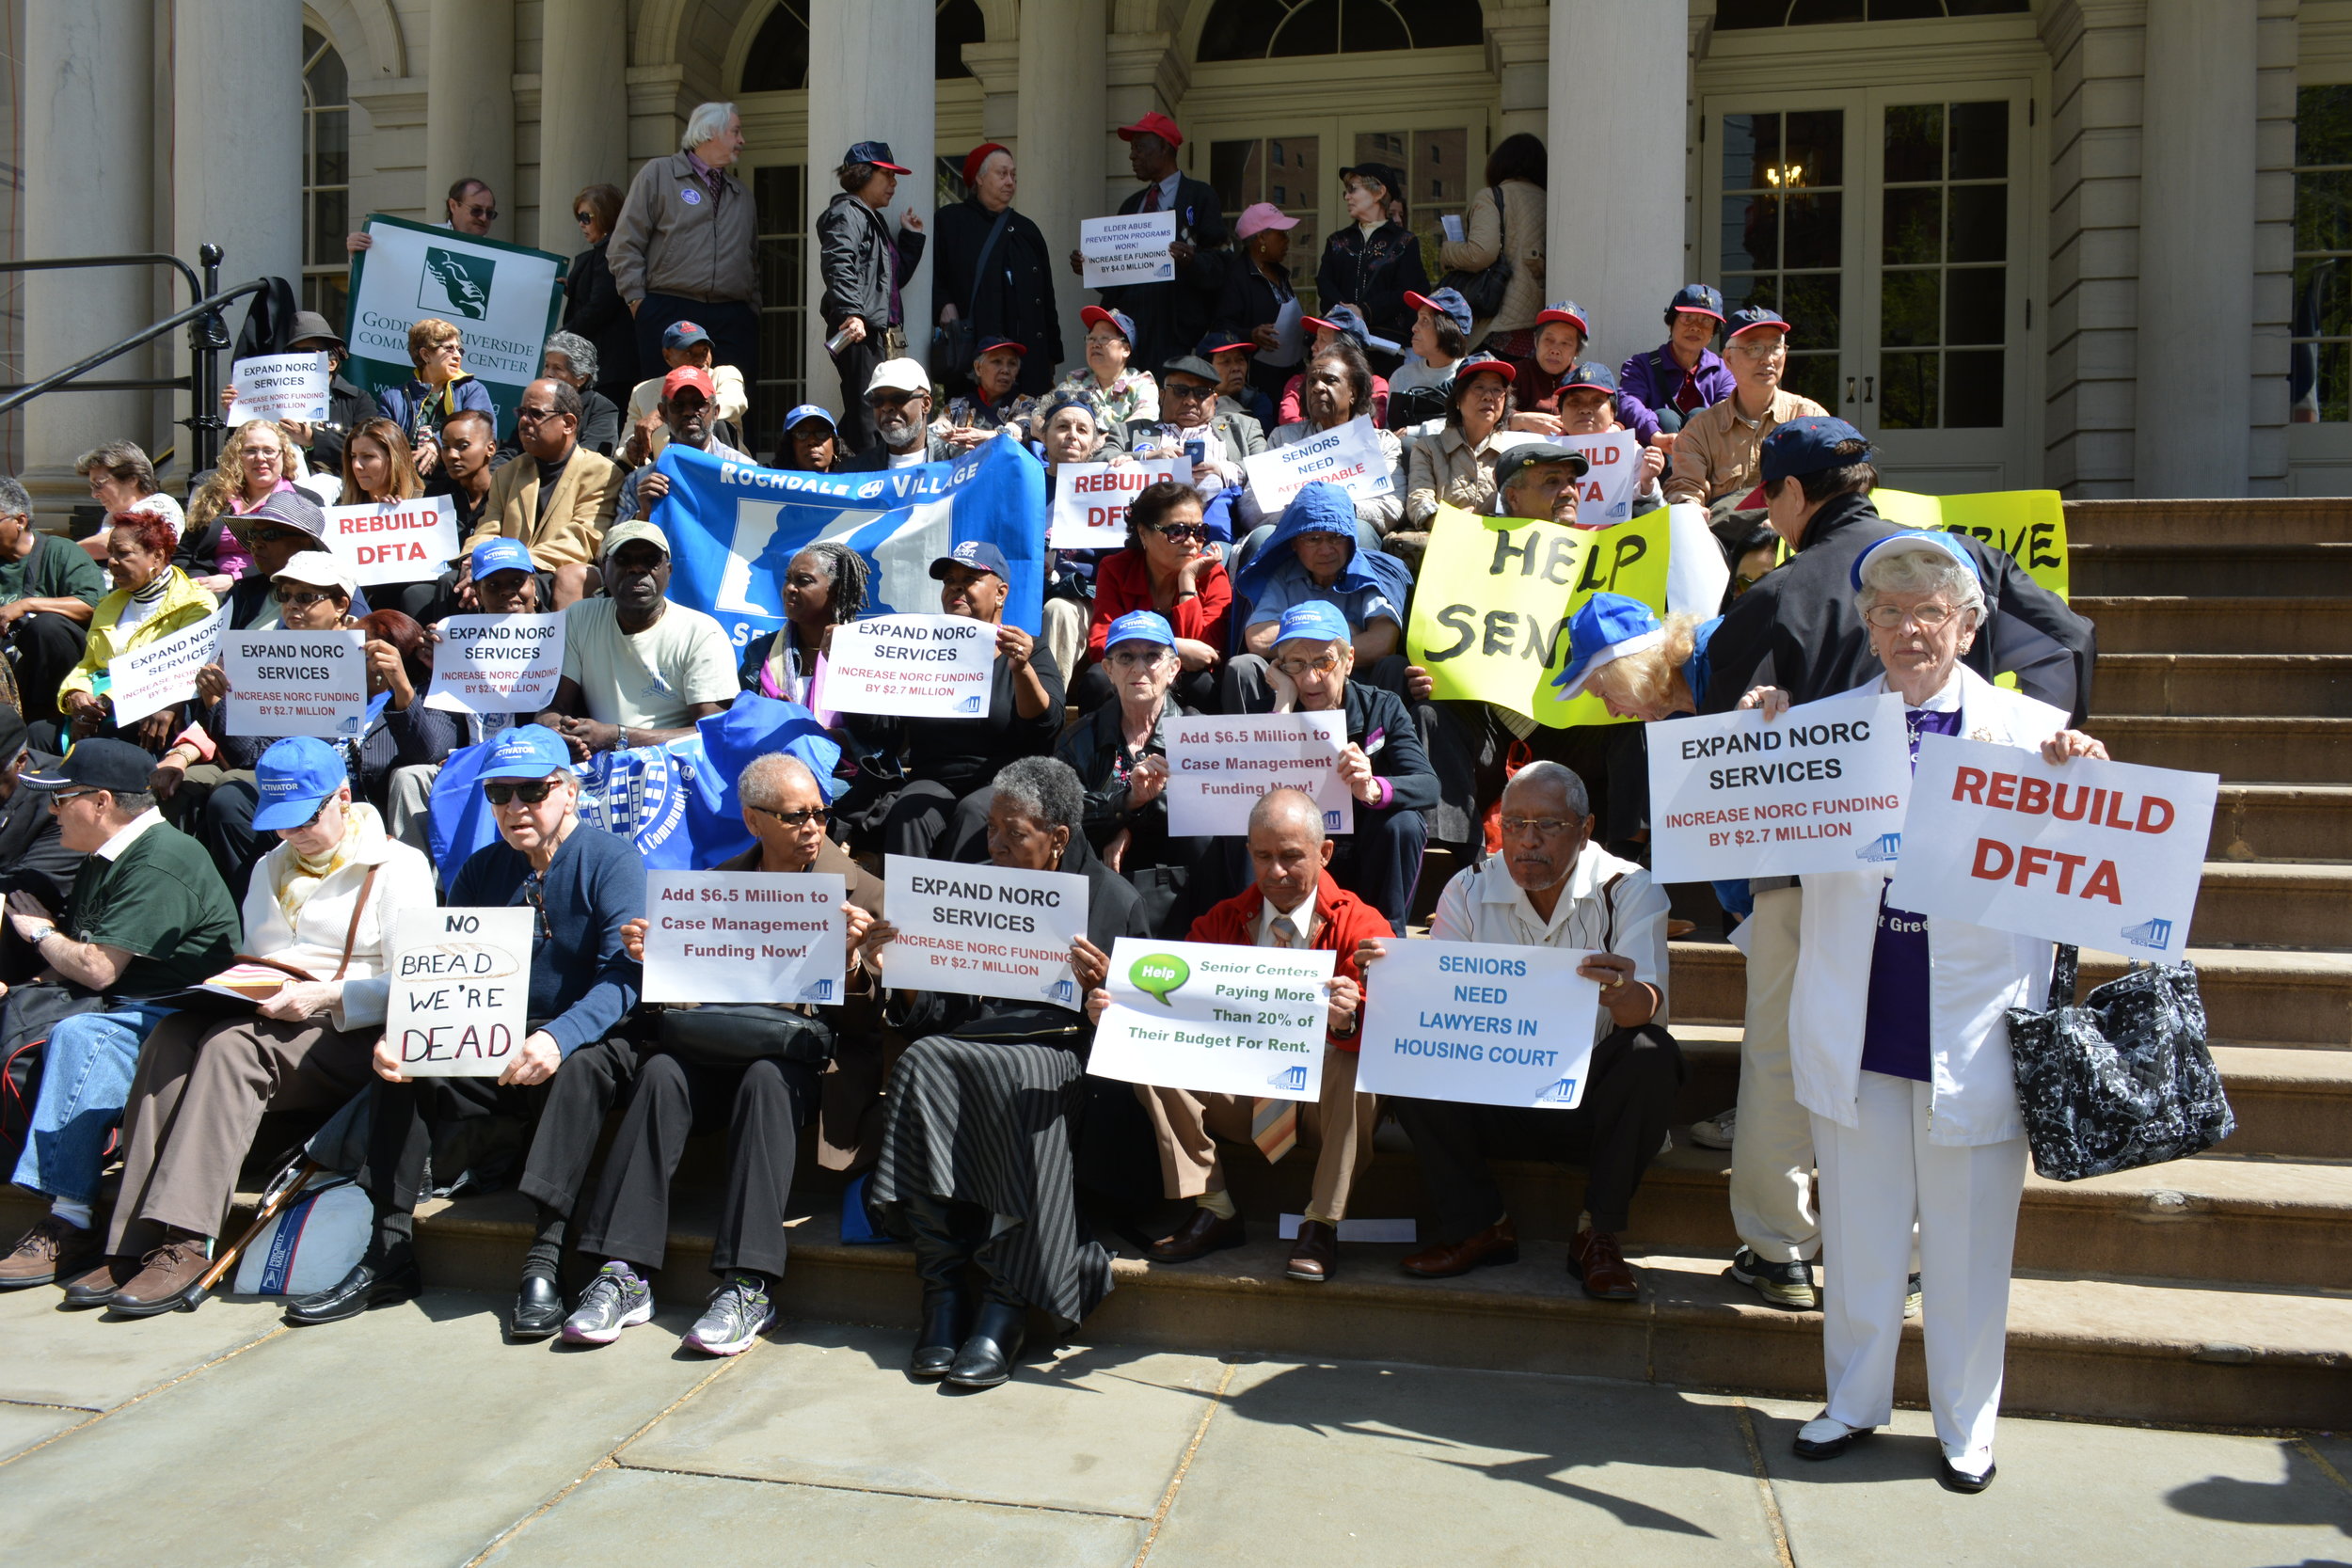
(2030, 526)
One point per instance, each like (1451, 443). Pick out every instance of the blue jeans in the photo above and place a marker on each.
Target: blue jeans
(84, 1082)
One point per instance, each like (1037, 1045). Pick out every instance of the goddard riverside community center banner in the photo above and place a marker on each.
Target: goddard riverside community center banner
(503, 299)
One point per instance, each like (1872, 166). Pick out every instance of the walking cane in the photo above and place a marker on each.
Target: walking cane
(289, 1185)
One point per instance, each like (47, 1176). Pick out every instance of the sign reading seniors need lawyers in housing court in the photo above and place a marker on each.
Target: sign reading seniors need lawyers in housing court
(460, 990)
(1219, 766)
(1346, 455)
(1819, 789)
(2101, 854)
(502, 299)
(497, 664)
(410, 541)
(1479, 1022)
(982, 930)
(917, 666)
(1216, 1019)
(1128, 248)
(745, 936)
(296, 682)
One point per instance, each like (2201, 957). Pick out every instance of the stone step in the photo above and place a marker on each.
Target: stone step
(2261, 520)
(2177, 623)
(2304, 823)
(2223, 684)
(2265, 905)
(2248, 750)
(2250, 570)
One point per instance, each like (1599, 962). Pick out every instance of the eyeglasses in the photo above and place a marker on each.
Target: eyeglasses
(1180, 531)
(1136, 658)
(504, 792)
(1322, 664)
(1759, 351)
(317, 816)
(816, 815)
(1548, 827)
(534, 415)
(302, 600)
(1887, 617)
(1742, 582)
(482, 214)
(58, 797)
(583, 219)
(1188, 392)
(892, 400)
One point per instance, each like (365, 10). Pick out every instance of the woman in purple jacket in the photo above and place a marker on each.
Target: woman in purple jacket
(1683, 374)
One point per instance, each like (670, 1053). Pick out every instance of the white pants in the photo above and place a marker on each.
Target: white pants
(1065, 623)
(1876, 1178)
(1771, 1151)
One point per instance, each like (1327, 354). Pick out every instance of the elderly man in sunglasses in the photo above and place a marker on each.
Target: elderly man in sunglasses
(584, 885)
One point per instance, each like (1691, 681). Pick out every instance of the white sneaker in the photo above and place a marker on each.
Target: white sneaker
(1714, 1132)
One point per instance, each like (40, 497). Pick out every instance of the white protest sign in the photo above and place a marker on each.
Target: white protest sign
(279, 386)
(745, 936)
(296, 682)
(1131, 249)
(147, 680)
(1090, 500)
(1605, 494)
(502, 298)
(500, 664)
(917, 666)
(461, 989)
(1219, 766)
(1484, 1024)
(409, 541)
(982, 930)
(1820, 789)
(1216, 1019)
(2101, 854)
(1346, 455)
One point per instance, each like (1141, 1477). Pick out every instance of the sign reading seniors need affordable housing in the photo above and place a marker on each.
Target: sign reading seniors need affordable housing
(410, 541)
(1820, 789)
(148, 679)
(497, 664)
(1346, 455)
(1479, 1022)
(279, 386)
(1090, 500)
(460, 992)
(1218, 767)
(745, 936)
(502, 298)
(1216, 1019)
(982, 930)
(917, 666)
(2101, 854)
(1128, 248)
(296, 682)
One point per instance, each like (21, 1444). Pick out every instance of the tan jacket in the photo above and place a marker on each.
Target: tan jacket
(1483, 232)
(577, 514)
(1445, 468)
(674, 237)
(1715, 455)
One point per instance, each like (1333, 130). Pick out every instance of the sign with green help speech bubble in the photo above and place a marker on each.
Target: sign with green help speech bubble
(1221, 1020)
(1159, 974)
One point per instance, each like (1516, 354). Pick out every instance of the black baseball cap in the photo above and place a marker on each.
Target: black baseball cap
(116, 766)
(1513, 462)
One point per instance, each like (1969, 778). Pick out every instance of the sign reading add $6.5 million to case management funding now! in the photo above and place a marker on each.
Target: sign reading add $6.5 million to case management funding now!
(1216, 1019)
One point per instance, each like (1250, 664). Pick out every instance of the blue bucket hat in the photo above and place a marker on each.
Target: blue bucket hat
(1930, 541)
(499, 555)
(1448, 302)
(1698, 297)
(1608, 627)
(294, 779)
(1592, 373)
(525, 751)
(1312, 620)
(1140, 625)
(1806, 445)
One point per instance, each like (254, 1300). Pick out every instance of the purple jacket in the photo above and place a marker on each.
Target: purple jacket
(1650, 381)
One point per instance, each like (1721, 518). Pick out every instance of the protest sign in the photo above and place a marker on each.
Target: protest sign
(2030, 526)
(745, 936)
(1492, 611)
(983, 930)
(460, 992)
(1346, 455)
(296, 682)
(410, 541)
(502, 298)
(1604, 496)
(148, 679)
(2101, 854)
(1218, 767)
(1131, 248)
(1090, 500)
(1480, 1024)
(1216, 1019)
(918, 666)
(497, 664)
(279, 386)
(1819, 789)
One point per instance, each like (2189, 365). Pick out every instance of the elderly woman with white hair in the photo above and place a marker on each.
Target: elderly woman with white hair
(1902, 1060)
(686, 246)
(573, 360)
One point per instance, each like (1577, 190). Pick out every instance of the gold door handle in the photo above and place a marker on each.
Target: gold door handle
(1849, 389)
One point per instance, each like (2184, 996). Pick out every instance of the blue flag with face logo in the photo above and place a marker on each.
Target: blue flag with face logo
(734, 528)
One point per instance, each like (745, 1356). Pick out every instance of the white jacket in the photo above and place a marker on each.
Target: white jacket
(1974, 972)
(314, 941)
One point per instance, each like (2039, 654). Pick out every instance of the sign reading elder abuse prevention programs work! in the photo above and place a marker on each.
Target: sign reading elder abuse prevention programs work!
(2101, 854)
(296, 682)
(1819, 789)
(917, 666)
(1346, 455)
(1216, 1019)
(410, 541)
(1480, 1024)
(1090, 500)
(502, 299)
(982, 930)
(497, 664)
(279, 386)
(1130, 249)
(461, 988)
(147, 680)
(1218, 767)
(745, 936)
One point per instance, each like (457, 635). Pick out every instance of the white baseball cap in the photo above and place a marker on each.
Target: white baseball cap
(899, 376)
(317, 569)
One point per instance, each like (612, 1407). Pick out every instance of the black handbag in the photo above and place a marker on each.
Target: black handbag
(953, 343)
(1483, 291)
(2123, 1080)
(27, 1017)
(737, 1034)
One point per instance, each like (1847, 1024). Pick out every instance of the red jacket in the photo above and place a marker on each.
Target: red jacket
(1346, 920)
(1123, 582)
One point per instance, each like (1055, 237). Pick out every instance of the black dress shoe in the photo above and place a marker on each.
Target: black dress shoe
(1833, 1446)
(367, 1285)
(1960, 1481)
(538, 1308)
(1199, 1236)
(986, 1359)
(945, 1316)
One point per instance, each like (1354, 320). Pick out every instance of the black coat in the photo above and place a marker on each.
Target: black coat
(850, 237)
(1247, 301)
(1378, 721)
(1374, 274)
(1170, 317)
(593, 308)
(1015, 300)
(349, 408)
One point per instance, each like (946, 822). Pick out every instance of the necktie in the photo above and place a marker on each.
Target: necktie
(1151, 199)
(1274, 1123)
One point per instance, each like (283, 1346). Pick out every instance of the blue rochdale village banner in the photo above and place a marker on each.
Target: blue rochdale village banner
(734, 528)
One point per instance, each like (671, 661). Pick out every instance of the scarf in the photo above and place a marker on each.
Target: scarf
(302, 875)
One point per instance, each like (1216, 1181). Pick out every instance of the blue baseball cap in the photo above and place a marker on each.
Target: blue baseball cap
(1608, 627)
(682, 335)
(1314, 621)
(1591, 373)
(1564, 310)
(1140, 625)
(810, 411)
(293, 777)
(1698, 297)
(499, 555)
(1806, 445)
(876, 153)
(1343, 319)
(972, 552)
(1119, 319)
(1748, 318)
(526, 751)
(1927, 541)
(1482, 363)
(1446, 302)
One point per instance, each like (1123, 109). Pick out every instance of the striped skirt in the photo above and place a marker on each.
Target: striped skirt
(988, 1122)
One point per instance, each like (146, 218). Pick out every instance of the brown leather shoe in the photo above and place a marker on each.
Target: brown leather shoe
(1498, 1244)
(1199, 1236)
(1594, 1258)
(98, 1287)
(1315, 1256)
(167, 1280)
(51, 1251)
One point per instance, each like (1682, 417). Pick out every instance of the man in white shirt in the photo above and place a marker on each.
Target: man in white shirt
(638, 670)
(1551, 886)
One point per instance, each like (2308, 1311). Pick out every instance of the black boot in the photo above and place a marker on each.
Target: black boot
(942, 1253)
(986, 1359)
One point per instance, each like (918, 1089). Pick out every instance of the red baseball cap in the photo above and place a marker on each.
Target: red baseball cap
(979, 155)
(690, 375)
(1155, 123)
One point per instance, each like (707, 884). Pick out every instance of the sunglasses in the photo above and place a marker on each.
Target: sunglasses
(274, 535)
(59, 797)
(583, 219)
(302, 600)
(482, 214)
(1187, 391)
(796, 818)
(531, 794)
(892, 400)
(1180, 531)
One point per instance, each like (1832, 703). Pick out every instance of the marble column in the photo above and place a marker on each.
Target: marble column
(1062, 109)
(583, 122)
(237, 142)
(1518, 51)
(469, 124)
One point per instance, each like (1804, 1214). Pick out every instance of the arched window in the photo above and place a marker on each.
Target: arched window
(326, 176)
(1272, 30)
(1740, 15)
(778, 61)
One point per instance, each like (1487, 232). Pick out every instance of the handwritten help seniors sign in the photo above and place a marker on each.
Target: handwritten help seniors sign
(1820, 789)
(1131, 249)
(397, 542)
(745, 936)
(279, 386)
(919, 666)
(1216, 1019)
(982, 930)
(1090, 500)
(497, 664)
(296, 682)
(2101, 854)
(1217, 768)
(1347, 455)
(147, 680)
(1487, 1024)
(461, 986)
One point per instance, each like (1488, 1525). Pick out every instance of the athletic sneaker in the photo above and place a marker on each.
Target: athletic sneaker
(1714, 1132)
(738, 1312)
(614, 1300)
(1788, 1285)
(1911, 1298)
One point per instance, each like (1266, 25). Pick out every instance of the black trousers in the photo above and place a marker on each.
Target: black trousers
(733, 326)
(1613, 762)
(1617, 1130)
(855, 363)
(46, 648)
(580, 1095)
(930, 819)
(762, 1107)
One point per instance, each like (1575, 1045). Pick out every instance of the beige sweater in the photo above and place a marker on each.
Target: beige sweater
(1483, 233)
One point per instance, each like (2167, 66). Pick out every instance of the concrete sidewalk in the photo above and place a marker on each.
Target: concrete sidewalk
(415, 1435)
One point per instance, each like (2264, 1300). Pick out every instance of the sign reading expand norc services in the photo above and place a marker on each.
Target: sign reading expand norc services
(916, 666)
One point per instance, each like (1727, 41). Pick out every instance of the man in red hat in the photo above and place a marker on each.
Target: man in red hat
(992, 279)
(1168, 317)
